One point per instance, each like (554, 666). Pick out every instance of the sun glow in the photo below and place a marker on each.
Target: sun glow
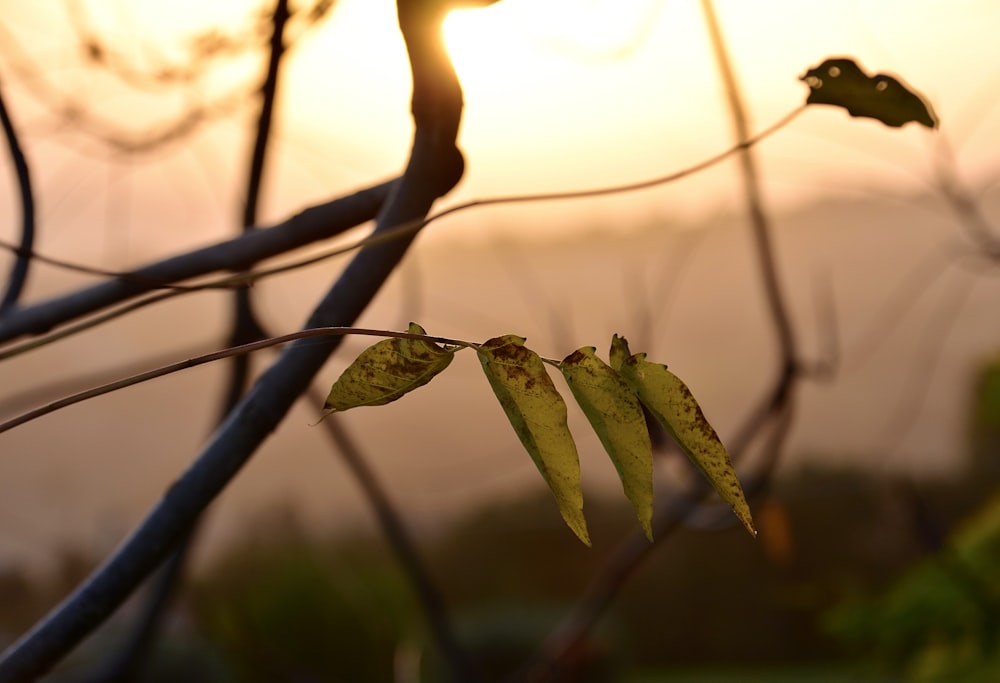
(512, 35)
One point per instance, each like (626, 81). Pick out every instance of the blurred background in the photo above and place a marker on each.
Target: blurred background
(878, 546)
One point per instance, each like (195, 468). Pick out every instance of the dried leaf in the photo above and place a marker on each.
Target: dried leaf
(616, 415)
(676, 408)
(538, 415)
(387, 370)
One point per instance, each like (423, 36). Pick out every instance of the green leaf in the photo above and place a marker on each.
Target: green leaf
(842, 83)
(387, 370)
(675, 407)
(616, 415)
(538, 415)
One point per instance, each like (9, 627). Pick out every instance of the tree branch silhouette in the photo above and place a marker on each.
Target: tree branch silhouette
(434, 167)
(310, 225)
(131, 656)
(404, 548)
(46, 315)
(774, 410)
(19, 272)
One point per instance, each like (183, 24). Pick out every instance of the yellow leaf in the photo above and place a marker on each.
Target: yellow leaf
(537, 413)
(676, 408)
(616, 416)
(619, 352)
(387, 370)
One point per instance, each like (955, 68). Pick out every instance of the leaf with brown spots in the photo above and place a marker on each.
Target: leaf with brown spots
(537, 413)
(675, 407)
(387, 370)
(616, 416)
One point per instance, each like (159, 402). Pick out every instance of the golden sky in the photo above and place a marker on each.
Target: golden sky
(565, 94)
(560, 94)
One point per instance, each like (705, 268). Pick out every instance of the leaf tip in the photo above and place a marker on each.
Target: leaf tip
(575, 520)
(743, 514)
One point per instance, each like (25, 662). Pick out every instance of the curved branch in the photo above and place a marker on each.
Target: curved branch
(132, 656)
(398, 537)
(435, 166)
(775, 410)
(311, 225)
(19, 272)
(409, 228)
(777, 307)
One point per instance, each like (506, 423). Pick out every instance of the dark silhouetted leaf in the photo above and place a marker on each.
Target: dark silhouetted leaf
(538, 414)
(841, 82)
(387, 370)
(616, 415)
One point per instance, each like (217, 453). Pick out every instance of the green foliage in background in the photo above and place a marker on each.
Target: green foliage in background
(985, 417)
(941, 622)
(291, 609)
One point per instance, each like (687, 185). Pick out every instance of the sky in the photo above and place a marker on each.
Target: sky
(560, 95)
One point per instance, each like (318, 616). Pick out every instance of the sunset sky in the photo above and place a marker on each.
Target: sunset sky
(561, 94)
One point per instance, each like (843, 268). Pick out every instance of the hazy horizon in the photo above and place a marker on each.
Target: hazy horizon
(87, 474)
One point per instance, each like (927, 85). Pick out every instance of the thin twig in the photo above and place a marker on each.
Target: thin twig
(313, 224)
(434, 168)
(778, 402)
(962, 203)
(230, 352)
(407, 229)
(247, 249)
(929, 350)
(127, 662)
(398, 538)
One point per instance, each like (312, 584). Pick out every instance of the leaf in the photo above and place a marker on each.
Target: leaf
(387, 370)
(842, 83)
(675, 407)
(538, 415)
(616, 415)
(619, 352)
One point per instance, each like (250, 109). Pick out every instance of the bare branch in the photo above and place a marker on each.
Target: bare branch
(19, 273)
(399, 540)
(127, 662)
(311, 225)
(434, 168)
(774, 410)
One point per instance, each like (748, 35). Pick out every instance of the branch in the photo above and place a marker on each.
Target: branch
(407, 229)
(776, 408)
(435, 166)
(232, 352)
(19, 272)
(311, 225)
(399, 540)
(755, 203)
(130, 658)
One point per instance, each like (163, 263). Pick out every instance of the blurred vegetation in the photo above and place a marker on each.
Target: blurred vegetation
(985, 411)
(941, 621)
(848, 568)
(284, 606)
(291, 607)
